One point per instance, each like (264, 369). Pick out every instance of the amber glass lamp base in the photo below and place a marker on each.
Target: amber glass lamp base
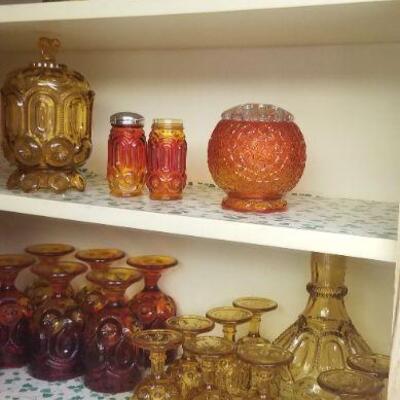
(56, 180)
(253, 205)
(323, 336)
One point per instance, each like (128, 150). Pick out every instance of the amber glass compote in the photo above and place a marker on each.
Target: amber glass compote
(90, 296)
(56, 326)
(350, 385)
(209, 350)
(232, 375)
(257, 306)
(377, 365)
(158, 385)
(48, 255)
(267, 363)
(15, 312)
(110, 355)
(186, 371)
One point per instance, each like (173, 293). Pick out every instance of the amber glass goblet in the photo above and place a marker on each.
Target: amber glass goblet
(232, 374)
(267, 363)
(90, 296)
(48, 255)
(158, 385)
(257, 306)
(186, 371)
(350, 385)
(209, 350)
(377, 365)
(56, 326)
(15, 312)
(110, 356)
(151, 306)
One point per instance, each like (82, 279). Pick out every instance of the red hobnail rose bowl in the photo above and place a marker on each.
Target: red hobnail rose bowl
(256, 154)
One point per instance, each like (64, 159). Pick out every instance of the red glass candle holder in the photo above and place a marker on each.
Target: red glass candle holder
(110, 355)
(56, 326)
(15, 312)
(166, 160)
(126, 168)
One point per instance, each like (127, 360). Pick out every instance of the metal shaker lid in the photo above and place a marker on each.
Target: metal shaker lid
(127, 118)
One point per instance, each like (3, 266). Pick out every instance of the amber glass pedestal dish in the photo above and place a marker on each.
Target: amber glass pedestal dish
(210, 351)
(48, 254)
(186, 371)
(159, 385)
(56, 326)
(323, 336)
(256, 154)
(257, 306)
(47, 111)
(15, 312)
(110, 355)
(90, 296)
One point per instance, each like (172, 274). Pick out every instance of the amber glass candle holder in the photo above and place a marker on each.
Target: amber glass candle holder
(257, 306)
(110, 355)
(186, 371)
(350, 385)
(90, 296)
(232, 375)
(15, 312)
(210, 351)
(266, 362)
(48, 254)
(56, 326)
(159, 385)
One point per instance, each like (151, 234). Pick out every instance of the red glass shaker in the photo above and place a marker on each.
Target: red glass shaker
(126, 168)
(166, 160)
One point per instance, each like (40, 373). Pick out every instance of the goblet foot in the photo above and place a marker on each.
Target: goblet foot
(56, 180)
(253, 205)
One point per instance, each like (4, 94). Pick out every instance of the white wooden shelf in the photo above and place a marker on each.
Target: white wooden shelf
(163, 24)
(357, 228)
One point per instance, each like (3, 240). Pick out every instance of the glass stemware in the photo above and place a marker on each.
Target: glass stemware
(151, 306)
(48, 255)
(232, 374)
(90, 296)
(350, 385)
(110, 356)
(266, 362)
(159, 385)
(56, 326)
(186, 371)
(209, 350)
(257, 306)
(15, 312)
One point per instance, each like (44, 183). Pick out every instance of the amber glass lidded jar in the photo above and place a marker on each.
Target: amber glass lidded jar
(47, 112)
(256, 154)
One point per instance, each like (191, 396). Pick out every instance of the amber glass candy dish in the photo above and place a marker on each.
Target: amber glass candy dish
(56, 326)
(15, 312)
(209, 350)
(110, 355)
(48, 255)
(257, 306)
(350, 385)
(232, 375)
(90, 296)
(186, 371)
(158, 385)
(266, 362)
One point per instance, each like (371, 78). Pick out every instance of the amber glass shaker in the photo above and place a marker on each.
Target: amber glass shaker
(166, 160)
(126, 168)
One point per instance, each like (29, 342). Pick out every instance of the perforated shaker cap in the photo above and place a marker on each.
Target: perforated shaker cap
(127, 118)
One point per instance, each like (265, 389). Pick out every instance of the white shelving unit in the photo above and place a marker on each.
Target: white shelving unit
(334, 64)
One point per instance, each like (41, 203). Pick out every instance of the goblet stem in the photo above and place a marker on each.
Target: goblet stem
(254, 326)
(208, 371)
(151, 279)
(229, 331)
(262, 381)
(186, 337)
(157, 359)
(99, 266)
